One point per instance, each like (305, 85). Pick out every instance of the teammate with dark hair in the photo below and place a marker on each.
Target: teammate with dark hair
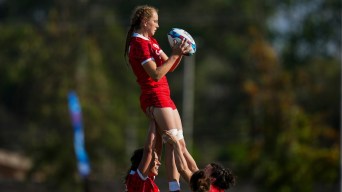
(136, 181)
(141, 175)
(220, 179)
(199, 182)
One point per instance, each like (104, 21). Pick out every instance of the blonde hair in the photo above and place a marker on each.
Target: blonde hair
(140, 12)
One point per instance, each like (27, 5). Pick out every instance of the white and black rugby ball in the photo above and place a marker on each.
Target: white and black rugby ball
(177, 35)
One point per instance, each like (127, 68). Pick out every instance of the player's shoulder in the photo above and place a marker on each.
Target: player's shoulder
(215, 189)
(139, 38)
(140, 43)
(133, 182)
(132, 176)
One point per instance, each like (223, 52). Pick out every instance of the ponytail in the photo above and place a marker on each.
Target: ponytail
(128, 38)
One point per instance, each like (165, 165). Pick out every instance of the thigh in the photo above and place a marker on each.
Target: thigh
(166, 118)
(177, 119)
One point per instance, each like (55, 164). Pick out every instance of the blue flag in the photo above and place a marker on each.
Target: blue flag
(76, 119)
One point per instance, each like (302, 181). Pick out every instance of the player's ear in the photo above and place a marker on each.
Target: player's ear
(144, 21)
(212, 179)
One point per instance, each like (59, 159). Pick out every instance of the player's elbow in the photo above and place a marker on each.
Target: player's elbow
(156, 77)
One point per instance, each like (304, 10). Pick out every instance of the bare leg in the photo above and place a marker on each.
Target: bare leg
(171, 168)
(159, 142)
(166, 121)
(189, 159)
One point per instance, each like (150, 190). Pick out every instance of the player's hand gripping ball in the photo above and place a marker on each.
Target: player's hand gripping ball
(177, 35)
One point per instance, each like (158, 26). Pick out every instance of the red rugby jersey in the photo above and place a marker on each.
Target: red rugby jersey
(153, 93)
(215, 189)
(137, 183)
(142, 50)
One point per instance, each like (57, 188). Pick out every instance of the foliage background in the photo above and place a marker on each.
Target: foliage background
(267, 91)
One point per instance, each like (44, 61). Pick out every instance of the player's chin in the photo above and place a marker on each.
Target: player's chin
(151, 34)
(155, 171)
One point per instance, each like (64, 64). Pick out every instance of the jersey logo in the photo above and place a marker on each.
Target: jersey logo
(155, 45)
(157, 50)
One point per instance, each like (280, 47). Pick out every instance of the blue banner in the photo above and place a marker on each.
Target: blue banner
(76, 119)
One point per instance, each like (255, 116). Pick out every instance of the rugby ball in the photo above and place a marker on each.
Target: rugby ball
(177, 35)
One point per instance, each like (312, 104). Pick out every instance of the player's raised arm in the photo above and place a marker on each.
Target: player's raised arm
(157, 72)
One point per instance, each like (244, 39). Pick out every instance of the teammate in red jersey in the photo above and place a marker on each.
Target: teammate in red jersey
(150, 66)
(139, 181)
(220, 179)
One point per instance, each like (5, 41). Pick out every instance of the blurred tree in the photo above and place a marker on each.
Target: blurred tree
(42, 63)
(267, 86)
(287, 142)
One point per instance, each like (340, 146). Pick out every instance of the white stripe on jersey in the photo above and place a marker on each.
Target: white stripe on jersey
(147, 60)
